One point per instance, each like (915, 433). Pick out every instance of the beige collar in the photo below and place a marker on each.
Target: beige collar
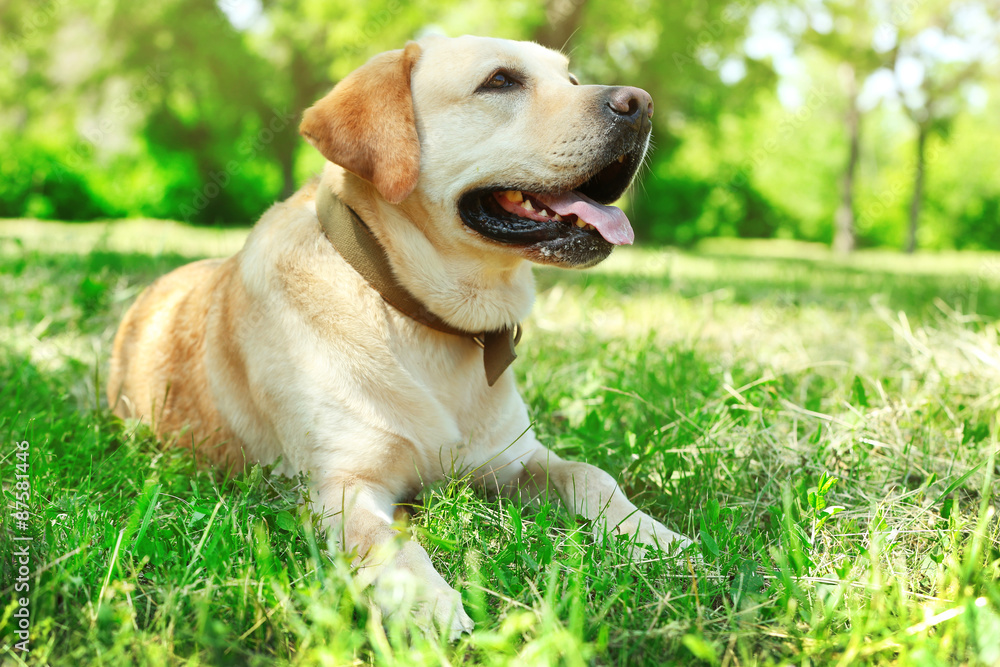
(355, 242)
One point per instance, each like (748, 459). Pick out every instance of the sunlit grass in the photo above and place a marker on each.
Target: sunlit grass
(725, 387)
(140, 236)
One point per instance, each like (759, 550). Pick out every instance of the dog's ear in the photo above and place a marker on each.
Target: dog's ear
(366, 124)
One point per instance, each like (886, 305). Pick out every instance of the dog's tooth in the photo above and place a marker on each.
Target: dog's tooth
(527, 205)
(580, 223)
(543, 214)
(621, 158)
(513, 196)
(557, 217)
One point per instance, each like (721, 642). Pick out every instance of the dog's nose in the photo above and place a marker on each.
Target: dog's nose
(630, 103)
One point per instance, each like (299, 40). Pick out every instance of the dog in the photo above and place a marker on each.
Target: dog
(363, 333)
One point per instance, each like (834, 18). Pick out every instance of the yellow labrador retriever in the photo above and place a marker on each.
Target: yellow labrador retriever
(455, 163)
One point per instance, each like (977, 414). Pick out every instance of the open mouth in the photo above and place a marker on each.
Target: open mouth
(575, 218)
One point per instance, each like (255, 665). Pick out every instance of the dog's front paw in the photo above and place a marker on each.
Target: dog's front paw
(651, 533)
(431, 604)
(446, 613)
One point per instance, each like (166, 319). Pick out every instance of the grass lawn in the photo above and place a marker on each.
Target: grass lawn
(825, 427)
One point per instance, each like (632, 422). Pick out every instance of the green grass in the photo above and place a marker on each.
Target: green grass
(825, 427)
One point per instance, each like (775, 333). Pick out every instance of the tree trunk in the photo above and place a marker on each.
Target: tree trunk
(308, 85)
(286, 160)
(918, 188)
(844, 239)
(562, 20)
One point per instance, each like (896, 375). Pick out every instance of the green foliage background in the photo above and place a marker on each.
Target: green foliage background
(187, 109)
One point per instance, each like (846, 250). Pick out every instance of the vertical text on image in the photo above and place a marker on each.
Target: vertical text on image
(22, 539)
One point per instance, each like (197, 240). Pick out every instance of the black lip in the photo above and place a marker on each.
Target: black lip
(549, 242)
(481, 212)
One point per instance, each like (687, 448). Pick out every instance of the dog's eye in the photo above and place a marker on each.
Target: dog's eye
(499, 80)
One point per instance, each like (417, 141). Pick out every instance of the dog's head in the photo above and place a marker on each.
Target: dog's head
(497, 139)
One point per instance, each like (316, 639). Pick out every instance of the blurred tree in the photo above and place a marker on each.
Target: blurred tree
(690, 56)
(211, 102)
(36, 110)
(188, 108)
(846, 31)
(562, 19)
(156, 104)
(942, 48)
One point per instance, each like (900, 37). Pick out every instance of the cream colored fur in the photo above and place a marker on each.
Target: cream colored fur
(284, 350)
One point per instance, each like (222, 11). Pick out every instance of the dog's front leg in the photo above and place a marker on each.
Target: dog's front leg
(400, 570)
(592, 493)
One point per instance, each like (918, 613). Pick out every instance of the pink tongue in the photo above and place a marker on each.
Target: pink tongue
(610, 221)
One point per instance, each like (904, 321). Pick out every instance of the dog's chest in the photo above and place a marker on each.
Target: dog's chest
(461, 425)
(412, 401)
(363, 385)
